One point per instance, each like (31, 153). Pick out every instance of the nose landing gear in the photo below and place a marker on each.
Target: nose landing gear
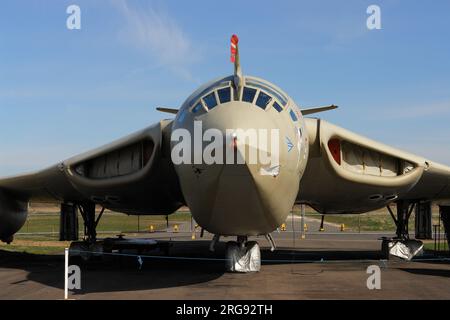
(243, 255)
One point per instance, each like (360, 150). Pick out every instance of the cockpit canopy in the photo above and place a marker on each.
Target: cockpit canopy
(255, 91)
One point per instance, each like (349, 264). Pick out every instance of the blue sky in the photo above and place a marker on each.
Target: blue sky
(64, 91)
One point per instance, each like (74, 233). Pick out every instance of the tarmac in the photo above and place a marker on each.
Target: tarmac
(324, 265)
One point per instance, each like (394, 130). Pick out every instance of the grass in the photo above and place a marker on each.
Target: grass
(111, 221)
(379, 220)
(364, 222)
(44, 250)
(430, 246)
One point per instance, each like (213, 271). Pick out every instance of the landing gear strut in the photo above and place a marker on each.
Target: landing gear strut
(401, 246)
(404, 211)
(243, 255)
(87, 211)
(321, 229)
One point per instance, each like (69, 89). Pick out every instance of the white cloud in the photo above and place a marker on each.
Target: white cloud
(153, 31)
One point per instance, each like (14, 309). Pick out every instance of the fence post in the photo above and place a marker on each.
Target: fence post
(66, 273)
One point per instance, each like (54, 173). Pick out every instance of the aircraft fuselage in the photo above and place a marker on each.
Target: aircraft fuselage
(241, 151)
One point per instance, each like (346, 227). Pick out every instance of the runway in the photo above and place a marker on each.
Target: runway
(322, 266)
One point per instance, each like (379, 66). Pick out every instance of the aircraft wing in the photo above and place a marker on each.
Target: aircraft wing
(348, 173)
(132, 175)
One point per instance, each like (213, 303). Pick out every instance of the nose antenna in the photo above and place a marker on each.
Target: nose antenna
(238, 78)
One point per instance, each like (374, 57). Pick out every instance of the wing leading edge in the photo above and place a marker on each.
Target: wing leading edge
(131, 175)
(348, 173)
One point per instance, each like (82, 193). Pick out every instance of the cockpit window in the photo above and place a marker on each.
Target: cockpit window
(224, 94)
(210, 100)
(198, 107)
(263, 100)
(272, 91)
(277, 107)
(248, 94)
(293, 115)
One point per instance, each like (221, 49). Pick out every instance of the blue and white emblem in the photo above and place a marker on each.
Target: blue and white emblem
(289, 144)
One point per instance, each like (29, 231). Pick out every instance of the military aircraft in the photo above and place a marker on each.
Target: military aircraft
(329, 168)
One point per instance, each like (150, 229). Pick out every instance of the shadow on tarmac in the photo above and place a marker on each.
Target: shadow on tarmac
(121, 273)
(428, 272)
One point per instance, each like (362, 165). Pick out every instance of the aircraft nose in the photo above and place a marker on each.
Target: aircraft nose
(240, 195)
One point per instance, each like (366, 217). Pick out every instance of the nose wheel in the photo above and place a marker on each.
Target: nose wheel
(243, 256)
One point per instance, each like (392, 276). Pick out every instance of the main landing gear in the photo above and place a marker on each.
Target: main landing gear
(68, 230)
(91, 247)
(87, 211)
(401, 219)
(402, 246)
